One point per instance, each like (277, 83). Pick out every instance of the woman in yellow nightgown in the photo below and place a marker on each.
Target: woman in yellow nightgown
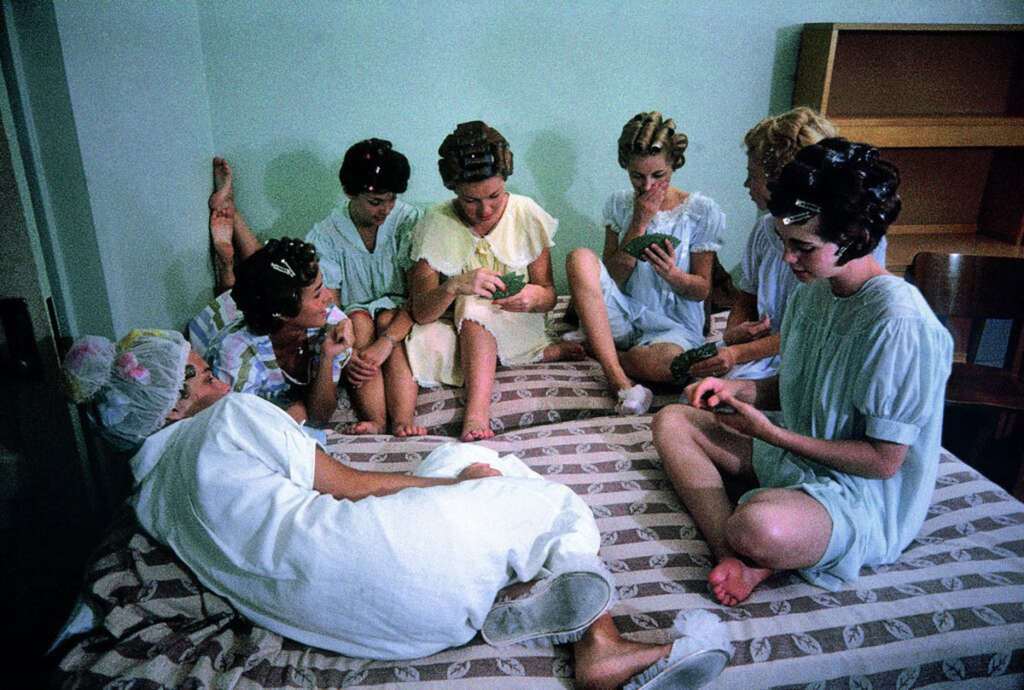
(461, 249)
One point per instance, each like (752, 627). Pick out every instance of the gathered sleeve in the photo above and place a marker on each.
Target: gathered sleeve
(404, 239)
(902, 383)
(709, 226)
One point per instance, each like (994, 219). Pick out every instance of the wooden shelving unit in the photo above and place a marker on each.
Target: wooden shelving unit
(945, 103)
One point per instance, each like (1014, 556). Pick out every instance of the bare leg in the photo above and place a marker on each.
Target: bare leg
(604, 659)
(777, 529)
(223, 187)
(231, 240)
(583, 269)
(400, 388)
(368, 399)
(479, 355)
(693, 448)
(651, 362)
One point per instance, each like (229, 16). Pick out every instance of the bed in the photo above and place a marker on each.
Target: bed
(951, 610)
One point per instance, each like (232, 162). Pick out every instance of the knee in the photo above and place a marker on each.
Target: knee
(672, 423)
(755, 532)
(362, 327)
(581, 261)
(384, 318)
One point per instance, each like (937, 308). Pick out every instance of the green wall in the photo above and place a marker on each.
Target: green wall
(282, 89)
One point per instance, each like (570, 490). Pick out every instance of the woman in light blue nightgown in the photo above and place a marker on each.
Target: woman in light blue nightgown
(640, 313)
(847, 476)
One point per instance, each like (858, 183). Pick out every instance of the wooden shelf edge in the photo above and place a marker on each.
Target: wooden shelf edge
(943, 28)
(929, 132)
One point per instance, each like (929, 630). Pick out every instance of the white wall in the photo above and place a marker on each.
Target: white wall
(282, 89)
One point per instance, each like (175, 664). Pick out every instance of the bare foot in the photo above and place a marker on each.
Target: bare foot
(732, 580)
(223, 190)
(362, 428)
(604, 659)
(563, 352)
(476, 430)
(221, 228)
(403, 429)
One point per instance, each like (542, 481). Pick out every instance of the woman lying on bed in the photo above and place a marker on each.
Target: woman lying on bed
(464, 251)
(367, 564)
(847, 478)
(639, 312)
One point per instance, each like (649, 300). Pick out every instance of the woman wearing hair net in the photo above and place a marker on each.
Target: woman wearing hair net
(368, 564)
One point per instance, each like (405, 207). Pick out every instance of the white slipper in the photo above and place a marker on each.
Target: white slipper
(693, 670)
(634, 400)
(577, 336)
(557, 610)
(697, 657)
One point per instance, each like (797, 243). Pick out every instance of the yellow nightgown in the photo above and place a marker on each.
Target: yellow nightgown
(444, 241)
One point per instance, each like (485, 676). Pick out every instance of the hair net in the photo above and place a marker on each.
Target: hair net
(130, 387)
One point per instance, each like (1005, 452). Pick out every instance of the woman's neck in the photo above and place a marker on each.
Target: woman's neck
(288, 338)
(854, 274)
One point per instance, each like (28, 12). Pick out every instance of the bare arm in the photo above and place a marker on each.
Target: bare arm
(620, 265)
(322, 398)
(865, 457)
(430, 297)
(695, 284)
(344, 482)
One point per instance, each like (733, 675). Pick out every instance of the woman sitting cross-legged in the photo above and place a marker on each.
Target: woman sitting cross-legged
(465, 249)
(640, 313)
(846, 479)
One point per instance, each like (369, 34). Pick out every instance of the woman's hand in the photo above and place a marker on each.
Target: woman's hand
(718, 365)
(337, 339)
(481, 282)
(366, 363)
(736, 412)
(747, 419)
(478, 470)
(747, 331)
(648, 203)
(662, 258)
(526, 299)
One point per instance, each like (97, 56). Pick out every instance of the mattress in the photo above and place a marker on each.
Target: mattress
(951, 610)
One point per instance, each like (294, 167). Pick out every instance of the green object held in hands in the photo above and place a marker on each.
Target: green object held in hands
(680, 366)
(513, 284)
(636, 246)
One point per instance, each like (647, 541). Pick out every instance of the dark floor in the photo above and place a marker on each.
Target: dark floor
(986, 442)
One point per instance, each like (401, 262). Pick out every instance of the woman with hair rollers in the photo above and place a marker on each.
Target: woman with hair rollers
(292, 342)
(640, 311)
(364, 254)
(751, 338)
(846, 479)
(465, 250)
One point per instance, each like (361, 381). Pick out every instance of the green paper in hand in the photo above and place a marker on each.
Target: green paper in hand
(680, 366)
(513, 284)
(636, 246)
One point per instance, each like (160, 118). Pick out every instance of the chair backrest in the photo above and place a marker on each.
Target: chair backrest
(970, 289)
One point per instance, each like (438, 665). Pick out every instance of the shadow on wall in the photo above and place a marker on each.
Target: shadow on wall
(552, 161)
(787, 49)
(302, 190)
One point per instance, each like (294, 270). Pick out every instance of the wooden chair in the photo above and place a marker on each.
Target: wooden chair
(965, 291)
